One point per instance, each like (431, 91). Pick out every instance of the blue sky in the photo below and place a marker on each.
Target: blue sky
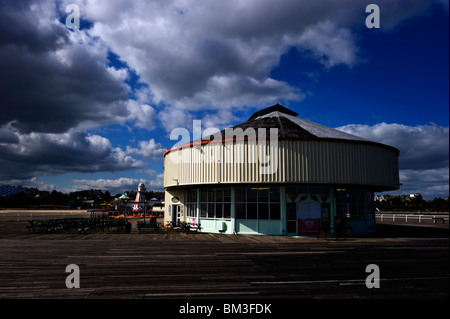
(94, 107)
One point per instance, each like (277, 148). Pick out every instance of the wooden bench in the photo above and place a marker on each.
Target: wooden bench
(147, 225)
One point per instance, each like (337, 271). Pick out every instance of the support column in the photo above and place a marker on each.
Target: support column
(283, 229)
(233, 210)
(198, 208)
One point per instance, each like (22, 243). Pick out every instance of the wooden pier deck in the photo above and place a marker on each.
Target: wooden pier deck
(188, 266)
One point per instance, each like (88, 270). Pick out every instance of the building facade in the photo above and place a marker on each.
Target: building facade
(278, 174)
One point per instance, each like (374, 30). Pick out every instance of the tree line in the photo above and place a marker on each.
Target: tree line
(93, 198)
(413, 204)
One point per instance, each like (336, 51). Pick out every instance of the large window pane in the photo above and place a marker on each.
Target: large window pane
(211, 195)
(213, 201)
(275, 211)
(240, 194)
(210, 210)
(252, 211)
(219, 195)
(263, 211)
(252, 194)
(274, 194)
(226, 210)
(203, 210)
(263, 195)
(240, 210)
(192, 196)
(227, 194)
(219, 213)
(204, 195)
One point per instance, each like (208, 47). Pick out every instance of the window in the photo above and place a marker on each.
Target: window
(215, 203)
(191, 203)
(370, 206)
(240, 211)
(203, 210)
(258, 203)
(351, 203)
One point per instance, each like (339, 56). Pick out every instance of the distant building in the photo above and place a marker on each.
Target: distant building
(314, 175)
(156, 206)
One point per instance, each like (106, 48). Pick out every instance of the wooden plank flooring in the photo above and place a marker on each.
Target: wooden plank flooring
(190, 266)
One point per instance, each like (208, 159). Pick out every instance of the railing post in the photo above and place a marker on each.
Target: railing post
(420, 219)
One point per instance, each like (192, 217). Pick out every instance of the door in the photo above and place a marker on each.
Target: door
(291, 218)
(308, 215)
(175, 215)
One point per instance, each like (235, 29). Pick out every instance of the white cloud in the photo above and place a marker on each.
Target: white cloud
(123, 183)
(140, 115)
(330, 44)
(424, 154)
(191, 55)
(148, 149)
(201, 55)
(421, 146)
(172, 118)
(120, 185)
(209, 55)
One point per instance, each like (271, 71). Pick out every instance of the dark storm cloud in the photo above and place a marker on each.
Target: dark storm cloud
(55, 84)
(52, 79)
(45, 153)
(20, 26)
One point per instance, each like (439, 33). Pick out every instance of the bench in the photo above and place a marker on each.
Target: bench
(147, 225)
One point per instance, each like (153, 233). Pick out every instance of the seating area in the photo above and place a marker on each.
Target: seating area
(75, 224)
(151, 224)
(100, 225)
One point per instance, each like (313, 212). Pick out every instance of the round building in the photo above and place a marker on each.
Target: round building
(277, 174)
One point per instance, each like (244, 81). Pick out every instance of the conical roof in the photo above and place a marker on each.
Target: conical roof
(290, 126)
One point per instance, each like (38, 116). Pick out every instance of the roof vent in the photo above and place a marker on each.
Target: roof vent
(273, 108)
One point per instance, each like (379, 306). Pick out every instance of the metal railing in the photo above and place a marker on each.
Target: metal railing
(413, 218)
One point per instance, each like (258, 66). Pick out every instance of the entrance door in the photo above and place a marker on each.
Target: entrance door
(308, 215)
(175, 215)
(291, 218)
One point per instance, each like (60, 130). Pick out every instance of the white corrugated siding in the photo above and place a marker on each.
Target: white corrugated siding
(322, 162)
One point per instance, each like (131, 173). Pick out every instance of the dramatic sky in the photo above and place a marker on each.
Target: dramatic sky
(94, 107)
